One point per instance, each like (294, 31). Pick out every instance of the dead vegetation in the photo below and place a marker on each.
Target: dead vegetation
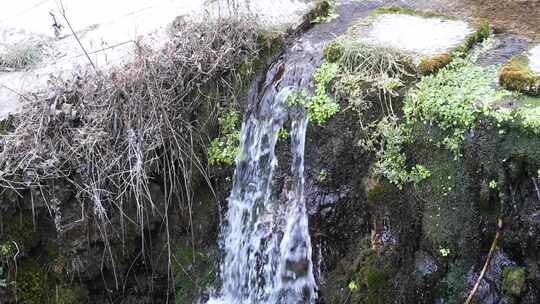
(108, 135)
(20, 56)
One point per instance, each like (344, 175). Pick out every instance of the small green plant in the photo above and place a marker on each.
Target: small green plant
(283, 133)
(321, 106)
(391, 158)
(224, 148)
(298, 97)
(323, 175)
(419, 173)
(453, 98)
(444, 252)
(352, 286)
(493, 184)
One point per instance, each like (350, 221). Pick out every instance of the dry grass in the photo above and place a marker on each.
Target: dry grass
(20, 56)
(108, 135)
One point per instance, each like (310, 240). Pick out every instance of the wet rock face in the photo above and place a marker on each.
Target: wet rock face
(69, 242)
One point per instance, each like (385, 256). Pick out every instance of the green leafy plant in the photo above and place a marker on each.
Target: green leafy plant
(453, 98)
(224, 148)
(493, 184)
(320, 106)
(323, 175)
(283, 133)
(391, 156)
(444, 252)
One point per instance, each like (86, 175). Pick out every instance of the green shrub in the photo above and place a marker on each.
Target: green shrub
(224, 148)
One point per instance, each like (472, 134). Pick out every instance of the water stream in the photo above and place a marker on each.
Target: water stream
(265, 235)
(265, 238)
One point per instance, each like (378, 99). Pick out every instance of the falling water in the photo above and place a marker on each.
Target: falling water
(265, 237)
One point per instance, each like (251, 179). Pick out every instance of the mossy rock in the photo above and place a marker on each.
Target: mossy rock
(513, 280)
(333, 51)
(453, 287)
(425, 63)
(407, 11)
(20, 228)
(31, 282)
(321, 8)
(431, 64)
(375, 276)
(193, 272)
(516, 75)
(71, 294)
(449, 214)
(270, 42)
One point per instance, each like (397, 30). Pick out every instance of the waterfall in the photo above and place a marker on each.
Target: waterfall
(265, 237)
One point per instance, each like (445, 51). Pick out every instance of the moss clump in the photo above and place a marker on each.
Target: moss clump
(480, 33)
(31, 282)
(71, 295)
(453, 288)
(270, 42)
(182, 267)
(20, 229)
(193, 271)
(320, 10)
(516, 75)
(513, 280)
(375, 275)
(406, 11)
(432, 64)
(375, 191)
(333, 51)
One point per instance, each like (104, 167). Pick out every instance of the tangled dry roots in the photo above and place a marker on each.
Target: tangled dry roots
(108, 135)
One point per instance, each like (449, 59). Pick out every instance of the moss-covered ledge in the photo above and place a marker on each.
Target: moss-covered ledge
(517, 74)
(424, 62)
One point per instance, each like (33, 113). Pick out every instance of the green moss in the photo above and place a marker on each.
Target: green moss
(20, 228)
(375, 191)
(31, 282)
(432, 64)
(513, 280)
(182, 269)
(449, 215)
(481, 32)
(320, 12)
(71, 294)
(333, 51)
(376, 273)
(406, 11)
(517, 76)
(452, 288)
(270, 42)
(193, 271)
